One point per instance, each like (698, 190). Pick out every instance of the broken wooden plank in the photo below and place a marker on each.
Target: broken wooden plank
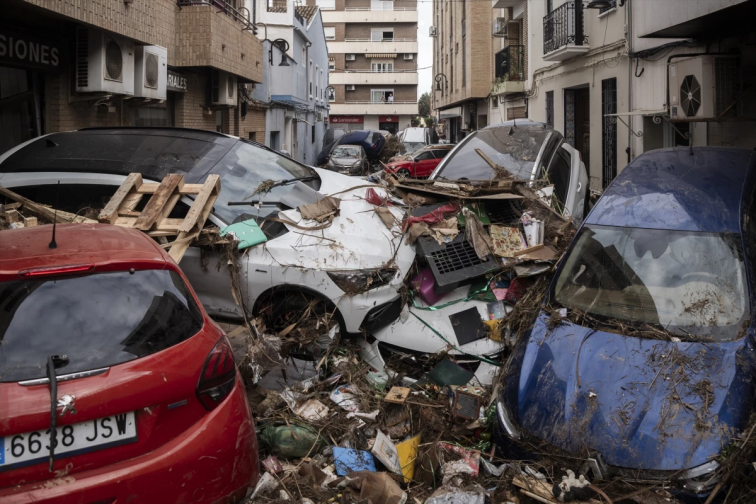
(11, 216)
(210, 188)
(11, 206)
(109, 214)
(39, 210)
(30, 221)
(154, 208)
(184, 239)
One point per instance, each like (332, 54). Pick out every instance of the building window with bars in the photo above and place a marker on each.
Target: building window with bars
(550, 108)
(609, 137)
(612, 5)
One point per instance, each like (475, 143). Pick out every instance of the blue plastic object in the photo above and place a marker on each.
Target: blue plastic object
(347, 460)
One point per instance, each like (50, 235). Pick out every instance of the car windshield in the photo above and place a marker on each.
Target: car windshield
(516, 149)
(243, 170)
(96, 320)
(413, 146)
(343, 152)
(692, 284)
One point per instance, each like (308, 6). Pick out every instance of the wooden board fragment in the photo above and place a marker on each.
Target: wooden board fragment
(40, 211)
(110, 213)
(162, 199)
(397, 395)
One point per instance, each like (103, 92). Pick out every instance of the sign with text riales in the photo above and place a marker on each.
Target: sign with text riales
(23, 50)
(176, 82)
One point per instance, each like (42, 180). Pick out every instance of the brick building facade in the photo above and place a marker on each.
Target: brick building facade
(201, 38)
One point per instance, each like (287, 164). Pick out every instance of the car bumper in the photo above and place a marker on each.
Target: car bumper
(215, 461)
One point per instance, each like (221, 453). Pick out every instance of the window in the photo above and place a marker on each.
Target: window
(381, 5)
(464, 57)
(309, 77)
(312, 134)
(331, 66)
(317, 80)
(424, 156)
(330, 32)
(609, 136)
(326, 4)
(304, 56)
(331, 95)
(550, 108)
(381, 34)
(382, 66)
(377, 94)
(253, 136)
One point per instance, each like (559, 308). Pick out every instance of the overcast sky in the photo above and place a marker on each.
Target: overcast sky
(424, 46)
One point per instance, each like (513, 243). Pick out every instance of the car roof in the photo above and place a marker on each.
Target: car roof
(105, 246)
(355, 136)
(348, 145)
(517, 122)
(672, 189)
(153, 152)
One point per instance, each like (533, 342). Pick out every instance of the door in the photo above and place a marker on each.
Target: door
(570, 178)
(424, 164)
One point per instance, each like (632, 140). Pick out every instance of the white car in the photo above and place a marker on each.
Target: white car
(353, 268)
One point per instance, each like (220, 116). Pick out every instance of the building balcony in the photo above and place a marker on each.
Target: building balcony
(362, 46)
(373, 77)
(503, 4)
(563, 33)
(369, 16)
(374, 108)
(510, 70)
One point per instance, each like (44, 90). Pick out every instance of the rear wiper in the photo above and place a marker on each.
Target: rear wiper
(54, 362)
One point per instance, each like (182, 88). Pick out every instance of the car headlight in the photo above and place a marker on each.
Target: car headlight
(358, 281)
(505, 418)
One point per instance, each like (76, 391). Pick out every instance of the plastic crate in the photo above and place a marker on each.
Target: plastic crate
(455, 263)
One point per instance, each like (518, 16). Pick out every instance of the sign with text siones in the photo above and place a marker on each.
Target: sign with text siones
(176, 82)
(30, 52)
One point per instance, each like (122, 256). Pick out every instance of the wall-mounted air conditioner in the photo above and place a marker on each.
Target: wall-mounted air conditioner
(151, 72)
(350, 87)
(350, 57)
(696, 83)
(433, 31)
(409, 56)
(104, 62)
(223, 88)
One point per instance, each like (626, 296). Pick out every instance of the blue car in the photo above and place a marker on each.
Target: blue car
(640, 363)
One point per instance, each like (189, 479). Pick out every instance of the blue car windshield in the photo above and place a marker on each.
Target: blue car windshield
(691, 284)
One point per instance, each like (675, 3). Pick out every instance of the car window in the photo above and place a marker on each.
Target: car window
(346, 152)
(558, 174)
(692, 284)
(96, 320)
(244, 169)
(516, 149)
(441, 153)
(424, 156)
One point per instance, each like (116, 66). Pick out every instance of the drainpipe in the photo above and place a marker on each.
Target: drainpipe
(629, 28)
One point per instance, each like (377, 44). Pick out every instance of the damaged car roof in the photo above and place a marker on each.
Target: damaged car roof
(670, 189)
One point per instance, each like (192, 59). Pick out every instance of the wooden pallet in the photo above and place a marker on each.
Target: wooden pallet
(153, 219)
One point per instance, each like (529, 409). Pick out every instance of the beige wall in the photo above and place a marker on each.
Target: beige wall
(362, 30)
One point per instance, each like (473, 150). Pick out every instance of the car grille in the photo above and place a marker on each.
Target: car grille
(454, 264)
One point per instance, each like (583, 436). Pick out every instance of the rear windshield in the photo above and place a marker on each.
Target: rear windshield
(96, 320)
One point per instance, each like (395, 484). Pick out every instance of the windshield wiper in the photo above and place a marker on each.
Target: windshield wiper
(298, 179)
(251, 202)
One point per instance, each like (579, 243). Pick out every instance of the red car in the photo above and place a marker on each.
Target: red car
(421, 163)
(105, 335)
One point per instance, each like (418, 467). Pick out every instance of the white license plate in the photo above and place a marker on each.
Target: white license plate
(33, 447)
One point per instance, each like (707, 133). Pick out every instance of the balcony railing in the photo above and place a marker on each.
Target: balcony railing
(379, 71)
(381, 40)
(232, 8)
(510, 63)
(564, 26)
(378, 102)
(276, 5)
(381, 9)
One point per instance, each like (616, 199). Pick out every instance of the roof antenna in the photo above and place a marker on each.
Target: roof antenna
(514, 126)
(53, 244)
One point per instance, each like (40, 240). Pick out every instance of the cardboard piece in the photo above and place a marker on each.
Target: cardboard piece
(321, 210)
(247, 233)
(385, 451)
(537, 253)
(376, 488)
(347, 460)
(407, 452)
(397, 395)
(312, 409)
(468, 326)
(272, 465)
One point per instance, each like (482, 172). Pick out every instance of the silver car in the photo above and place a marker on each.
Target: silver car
(348, 160)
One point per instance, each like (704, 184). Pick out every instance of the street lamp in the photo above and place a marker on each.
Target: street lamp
(331, 92)
(438, 83)
(283, 46)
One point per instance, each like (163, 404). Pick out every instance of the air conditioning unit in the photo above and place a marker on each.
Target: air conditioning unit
(433, 31)
(223, 88)
(696, 83)
(409, 56)
(350, 57)
(104, 62)
(350, 87)
(151, 72)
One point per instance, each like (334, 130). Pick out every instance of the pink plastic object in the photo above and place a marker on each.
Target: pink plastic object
(424, 283)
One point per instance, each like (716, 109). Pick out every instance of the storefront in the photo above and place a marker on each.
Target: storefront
(163, 113)
(347, 122)
(389, 123)
(24, 62)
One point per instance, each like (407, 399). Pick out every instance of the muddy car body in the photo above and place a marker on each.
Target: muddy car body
(649, 368)
(529, 150)
(353, 254)
(348, 160)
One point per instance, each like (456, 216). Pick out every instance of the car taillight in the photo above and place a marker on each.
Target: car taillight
(218, 375)
(56, 270)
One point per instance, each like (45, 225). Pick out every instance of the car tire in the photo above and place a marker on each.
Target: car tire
(404, 173)
(283, 310)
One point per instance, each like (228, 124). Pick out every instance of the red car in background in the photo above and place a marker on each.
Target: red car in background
(419, 164)
(105, 335)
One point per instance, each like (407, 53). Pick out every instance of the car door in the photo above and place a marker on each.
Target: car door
(424, 164)
(569, 177)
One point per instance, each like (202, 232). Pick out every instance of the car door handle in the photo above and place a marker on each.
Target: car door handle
(580, 186)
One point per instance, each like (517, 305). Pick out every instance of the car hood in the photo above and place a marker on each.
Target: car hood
(398, 164)
(356, 239)
(640, 403)
(345, 161)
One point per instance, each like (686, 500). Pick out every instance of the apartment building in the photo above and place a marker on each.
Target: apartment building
(69, 64)
(463, 52)
(293, 93)
(372, 46)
